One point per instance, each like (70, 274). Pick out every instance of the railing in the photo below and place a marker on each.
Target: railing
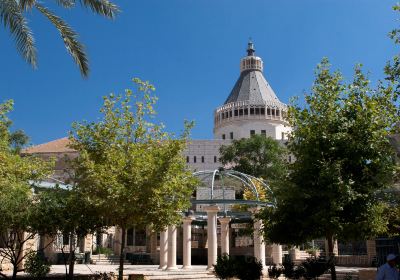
(245, 110)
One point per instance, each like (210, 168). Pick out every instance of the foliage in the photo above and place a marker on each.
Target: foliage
(66, 212)
(36, 266)
(102, 250)
(250, 269)
(129, 168)
(315, 267)
(259, 156)
(274, 271)
(288, 268)
(13, 16)
(18, 222)
(343, 158)
(225, 267)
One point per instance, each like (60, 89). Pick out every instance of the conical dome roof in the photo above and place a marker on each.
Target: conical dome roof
(251, 85)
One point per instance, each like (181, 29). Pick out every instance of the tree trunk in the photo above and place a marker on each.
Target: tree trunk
(71, 258)
(122, 255)
(331, 256)
(15, 270)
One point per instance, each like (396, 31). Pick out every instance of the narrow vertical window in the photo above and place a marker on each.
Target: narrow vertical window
(187, 159)
(223, 136)
(194, 159)
(252, 132)
(231, 135)
(215, 159)
(202, 159)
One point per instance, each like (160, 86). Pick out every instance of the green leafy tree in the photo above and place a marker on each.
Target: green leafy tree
(129, 167)
(259, 156)
(65, 212)
(13, 17)
(18, 225)
(343, 158)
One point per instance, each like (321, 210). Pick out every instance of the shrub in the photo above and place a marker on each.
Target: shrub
(36, 266)
(250, 269)
(315, 267)
(274, 271)
(288, 268)
(225, 267)
(102, 250)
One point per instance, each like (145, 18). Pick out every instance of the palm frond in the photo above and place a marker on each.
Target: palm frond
(66, 3)
(74, 47)
(101, 7)
(26, 4)
(12, 18)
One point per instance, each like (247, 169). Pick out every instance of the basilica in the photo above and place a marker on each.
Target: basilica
(252, 107)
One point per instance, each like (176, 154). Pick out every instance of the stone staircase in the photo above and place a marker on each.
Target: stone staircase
(102, 259)
(341, 275)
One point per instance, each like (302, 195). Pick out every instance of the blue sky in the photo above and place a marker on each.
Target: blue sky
(190, 50)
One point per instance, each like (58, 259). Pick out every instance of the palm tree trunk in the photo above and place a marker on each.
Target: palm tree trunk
(122, 255)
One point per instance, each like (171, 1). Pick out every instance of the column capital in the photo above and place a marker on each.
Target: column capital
(188, 219)
(224, 220)
(212, 208)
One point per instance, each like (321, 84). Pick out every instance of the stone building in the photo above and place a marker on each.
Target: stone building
(252, 107)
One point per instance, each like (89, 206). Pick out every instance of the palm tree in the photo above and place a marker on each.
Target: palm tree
(12, 16)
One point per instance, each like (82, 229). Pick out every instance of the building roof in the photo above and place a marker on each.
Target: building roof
(252, 86)
(56, 146)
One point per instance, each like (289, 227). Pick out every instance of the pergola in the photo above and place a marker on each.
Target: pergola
(221, 194)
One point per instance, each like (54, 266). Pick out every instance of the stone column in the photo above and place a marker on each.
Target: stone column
(277, 254)
(335, 248)
(187, 242)
(224, 235)
(259, 245)
(163, 249)
(212, 211)
(371, 250)
(171, 264)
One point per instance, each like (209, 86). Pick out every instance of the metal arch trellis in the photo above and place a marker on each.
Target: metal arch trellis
(246, 179)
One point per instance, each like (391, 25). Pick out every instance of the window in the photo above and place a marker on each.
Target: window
(269, 112)
(129, 237)
(194, 159)
(263, 132)
(262, 111)
(257, 111)
(251, 111)
(215, 159)
(231, 135)
(277, 113)
(236, 113)
(246, 111)
(252, 132)
(187, 159)
(223, 136)
(240, 112)
(202, 159)
(230, 114)
(140, 237)
(65, 239)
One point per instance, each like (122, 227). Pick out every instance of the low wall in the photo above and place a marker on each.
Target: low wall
(351, 260)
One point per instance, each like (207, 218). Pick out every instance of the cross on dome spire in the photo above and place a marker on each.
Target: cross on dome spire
(250, 48)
